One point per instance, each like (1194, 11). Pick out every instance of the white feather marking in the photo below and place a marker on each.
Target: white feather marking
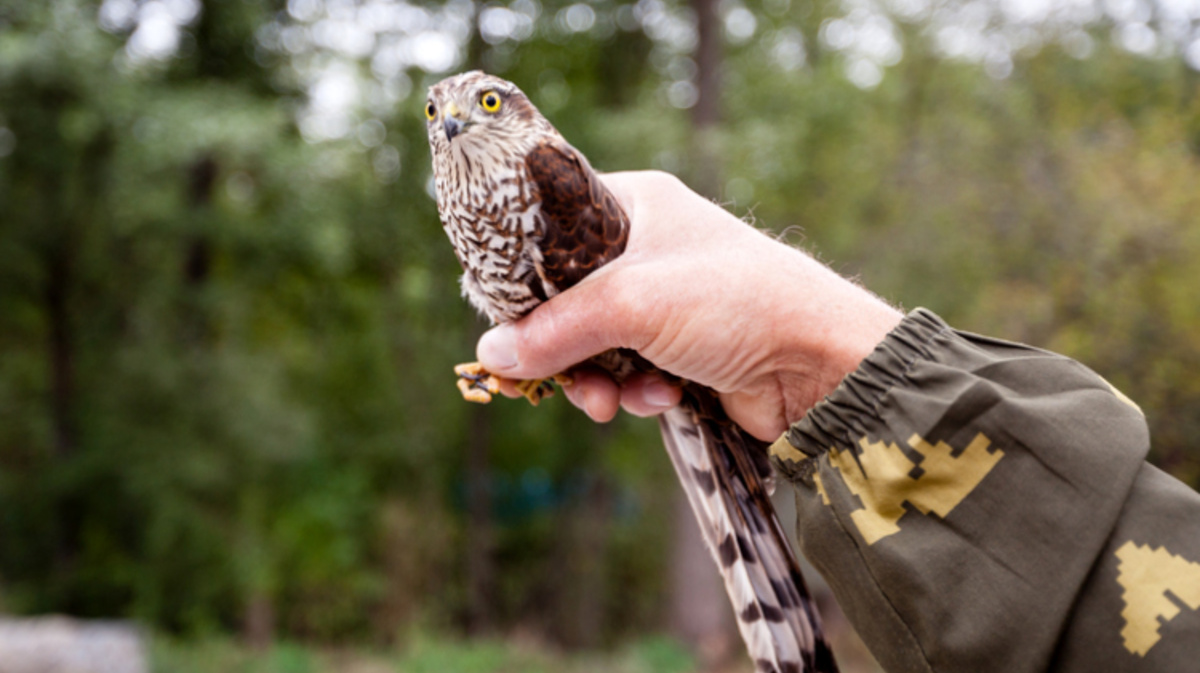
(781, 638)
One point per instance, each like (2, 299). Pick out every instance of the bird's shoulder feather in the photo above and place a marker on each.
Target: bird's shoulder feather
(582, 225)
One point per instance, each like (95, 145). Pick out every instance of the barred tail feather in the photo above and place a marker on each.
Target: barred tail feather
(723, 471)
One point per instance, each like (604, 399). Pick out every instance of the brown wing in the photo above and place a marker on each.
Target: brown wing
(582, 226)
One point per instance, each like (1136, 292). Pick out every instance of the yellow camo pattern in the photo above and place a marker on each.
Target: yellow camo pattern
(886, 480)
(1146, 574)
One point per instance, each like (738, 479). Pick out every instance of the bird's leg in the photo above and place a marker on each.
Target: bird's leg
(535, 390)
(478, 385)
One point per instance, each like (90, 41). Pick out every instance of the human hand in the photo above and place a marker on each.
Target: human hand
(705, 296)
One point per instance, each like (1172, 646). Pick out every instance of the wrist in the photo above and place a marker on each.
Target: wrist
(833, 326)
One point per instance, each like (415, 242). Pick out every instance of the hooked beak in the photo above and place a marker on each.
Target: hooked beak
(453, 127)
(452, 122)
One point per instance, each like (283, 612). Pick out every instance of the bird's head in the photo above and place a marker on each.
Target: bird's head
(475, 113)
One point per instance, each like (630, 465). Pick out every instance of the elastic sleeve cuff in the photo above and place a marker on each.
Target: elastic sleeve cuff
(837, 419)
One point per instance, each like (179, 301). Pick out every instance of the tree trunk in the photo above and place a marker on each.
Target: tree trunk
(202, 178)
(258, 627)
(706, 114)
(481, 571)
(707, 111)
(197, 255)
(61, 349)
(581, 586)
(61, 355)
(699, 611)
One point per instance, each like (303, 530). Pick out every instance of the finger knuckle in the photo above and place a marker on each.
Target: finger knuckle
(663, 181)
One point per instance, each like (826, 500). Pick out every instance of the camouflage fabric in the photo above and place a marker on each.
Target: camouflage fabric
(979, 505)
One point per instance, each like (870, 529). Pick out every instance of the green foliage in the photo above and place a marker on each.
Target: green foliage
(225, 349)
(422, 655)
(209, 656)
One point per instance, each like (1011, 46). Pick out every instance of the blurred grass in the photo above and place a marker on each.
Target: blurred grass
(420, 654)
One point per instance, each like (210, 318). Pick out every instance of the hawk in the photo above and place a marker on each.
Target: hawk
(528, 219)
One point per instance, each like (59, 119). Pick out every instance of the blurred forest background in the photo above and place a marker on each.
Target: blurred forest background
(228, 313)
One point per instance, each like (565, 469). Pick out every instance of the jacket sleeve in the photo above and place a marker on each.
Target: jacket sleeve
(978, 505)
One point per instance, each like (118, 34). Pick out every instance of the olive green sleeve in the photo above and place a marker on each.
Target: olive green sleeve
(978, 505)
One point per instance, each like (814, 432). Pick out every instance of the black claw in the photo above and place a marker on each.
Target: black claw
(477, 380)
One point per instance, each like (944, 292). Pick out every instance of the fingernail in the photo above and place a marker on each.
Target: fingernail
(497, 349)
(659, 394)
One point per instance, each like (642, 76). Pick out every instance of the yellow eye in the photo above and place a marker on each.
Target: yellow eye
(430, 111)
(490, 101)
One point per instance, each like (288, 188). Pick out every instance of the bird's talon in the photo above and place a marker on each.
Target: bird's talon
(476, 395)
(490, 383)
(472, 393)
(476, 383)
(470, 370)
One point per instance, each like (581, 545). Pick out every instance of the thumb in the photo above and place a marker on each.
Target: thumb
(564, 331)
